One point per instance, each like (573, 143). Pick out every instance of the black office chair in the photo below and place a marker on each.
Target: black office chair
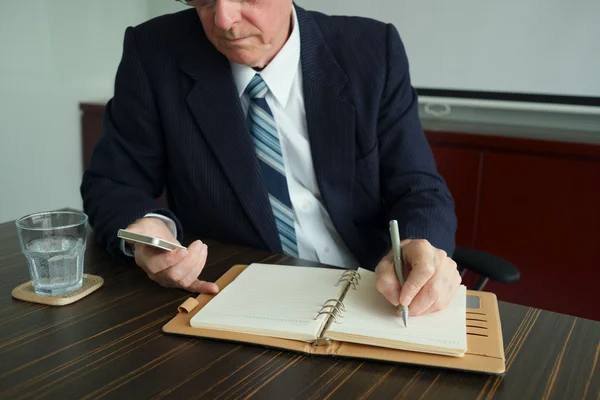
(486, 265)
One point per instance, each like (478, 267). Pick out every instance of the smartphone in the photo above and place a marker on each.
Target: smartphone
(148, 240)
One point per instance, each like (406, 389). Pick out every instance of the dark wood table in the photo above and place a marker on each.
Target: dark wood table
(110, 344)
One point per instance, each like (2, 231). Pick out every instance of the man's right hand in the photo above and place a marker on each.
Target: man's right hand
(178, 268)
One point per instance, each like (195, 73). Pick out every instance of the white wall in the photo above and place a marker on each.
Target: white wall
(160, 7)
(53, 55)
(533, 46)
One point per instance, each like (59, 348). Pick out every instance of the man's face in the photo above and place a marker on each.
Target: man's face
(249, 32)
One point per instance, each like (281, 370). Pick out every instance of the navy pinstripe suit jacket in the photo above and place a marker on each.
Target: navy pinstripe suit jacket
(176, 122)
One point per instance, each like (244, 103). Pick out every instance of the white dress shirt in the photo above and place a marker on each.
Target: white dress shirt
(316, 236)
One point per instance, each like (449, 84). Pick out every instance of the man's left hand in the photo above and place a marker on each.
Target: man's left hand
(432, 278)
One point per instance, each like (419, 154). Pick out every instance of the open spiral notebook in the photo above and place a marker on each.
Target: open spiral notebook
(316, 303)
(333, 312)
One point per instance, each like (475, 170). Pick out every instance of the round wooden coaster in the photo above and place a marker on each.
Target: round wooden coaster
(25, 292)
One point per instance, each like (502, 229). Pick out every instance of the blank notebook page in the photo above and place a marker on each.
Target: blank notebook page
(272, 300)
(369, 314)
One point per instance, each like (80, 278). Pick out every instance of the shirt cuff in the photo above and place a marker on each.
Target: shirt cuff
(127, 249)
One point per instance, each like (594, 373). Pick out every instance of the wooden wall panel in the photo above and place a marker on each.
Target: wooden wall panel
(91, 125)
(543, 214)
(460, 168)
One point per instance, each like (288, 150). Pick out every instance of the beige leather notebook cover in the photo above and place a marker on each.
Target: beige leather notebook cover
(485, 351)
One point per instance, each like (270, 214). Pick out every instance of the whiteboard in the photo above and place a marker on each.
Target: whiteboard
(547, 47)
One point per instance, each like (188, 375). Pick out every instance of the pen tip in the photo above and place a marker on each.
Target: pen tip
(405, 318)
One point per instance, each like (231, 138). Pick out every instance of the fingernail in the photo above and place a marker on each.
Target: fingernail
(394, 297)
(405, 301)
(183, 253)
(204, 249)
(389, 291)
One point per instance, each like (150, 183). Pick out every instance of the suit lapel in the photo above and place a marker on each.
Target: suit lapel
(330, 118)
(215, 104)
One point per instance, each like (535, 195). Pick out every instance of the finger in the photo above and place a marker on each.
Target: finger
(197, 268)
(451, 281)
(179, 271)
(143, 256)
(386, 280)
(156, 260)
(161, 281)
(199, 286)
(451, 294)
(435, 307)
(442, 303)
(439, 291)
(420, 256)
(454, 280)
(427, 296)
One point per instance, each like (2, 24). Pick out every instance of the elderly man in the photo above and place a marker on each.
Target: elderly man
(277, 128)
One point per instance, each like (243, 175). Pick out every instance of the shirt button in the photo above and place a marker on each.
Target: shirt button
(326, 249)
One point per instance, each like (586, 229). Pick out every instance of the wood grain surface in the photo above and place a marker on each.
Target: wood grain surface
(110, 345)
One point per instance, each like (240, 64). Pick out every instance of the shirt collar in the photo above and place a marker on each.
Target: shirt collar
(279, 74)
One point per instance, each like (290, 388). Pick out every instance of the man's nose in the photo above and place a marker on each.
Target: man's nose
(227, 14)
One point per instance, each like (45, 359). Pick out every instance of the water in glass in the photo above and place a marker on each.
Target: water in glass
(56, 263)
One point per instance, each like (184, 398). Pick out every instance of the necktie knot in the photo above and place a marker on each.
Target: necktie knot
(257, 88)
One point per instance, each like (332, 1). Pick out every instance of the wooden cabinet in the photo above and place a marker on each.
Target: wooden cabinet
(91, 126)
(535, 203)
(543, 214)
(461, 171)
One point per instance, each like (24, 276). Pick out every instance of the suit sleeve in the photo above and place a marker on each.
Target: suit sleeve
(127, 168)
(413, 191)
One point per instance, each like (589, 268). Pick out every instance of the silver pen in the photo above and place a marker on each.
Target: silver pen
(397, 250)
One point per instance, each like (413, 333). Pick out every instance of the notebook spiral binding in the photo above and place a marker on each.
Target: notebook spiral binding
(335, 311)
(349, 276)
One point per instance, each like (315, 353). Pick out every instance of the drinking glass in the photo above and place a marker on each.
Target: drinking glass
(54, 244)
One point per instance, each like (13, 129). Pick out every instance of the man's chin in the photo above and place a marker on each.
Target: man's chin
(244, 57)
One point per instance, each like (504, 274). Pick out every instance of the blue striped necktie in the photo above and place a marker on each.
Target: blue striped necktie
(266, 142)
